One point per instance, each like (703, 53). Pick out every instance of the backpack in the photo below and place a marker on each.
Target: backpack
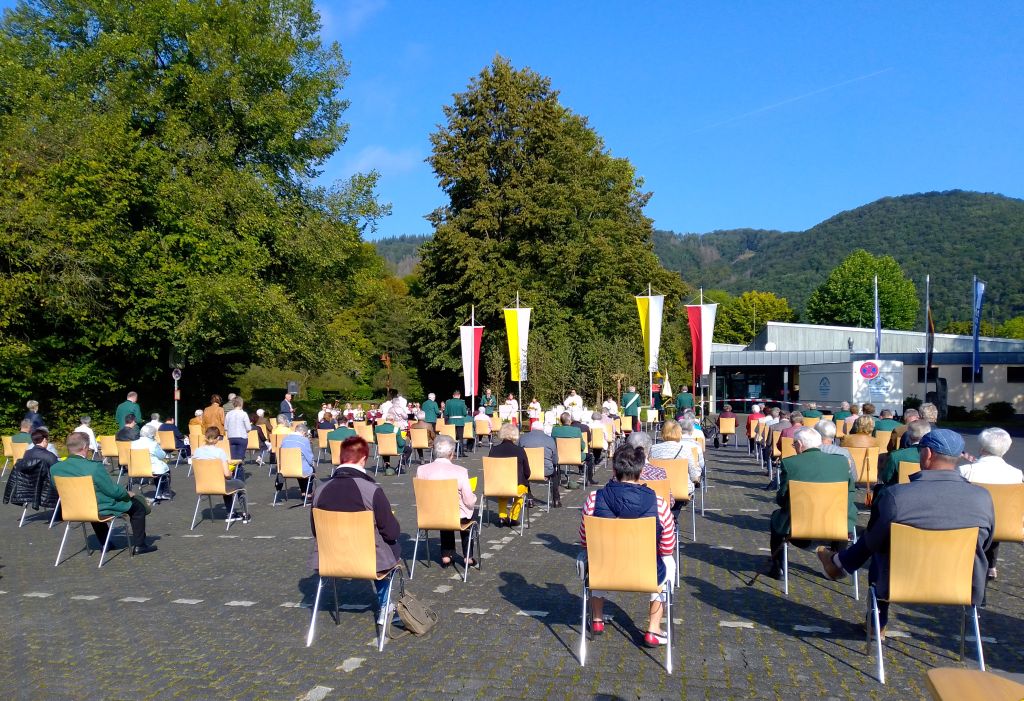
(417, 618)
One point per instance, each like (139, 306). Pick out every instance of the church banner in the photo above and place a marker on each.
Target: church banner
(471, 358)
(702, 328)
(517, 325)
(652, 309)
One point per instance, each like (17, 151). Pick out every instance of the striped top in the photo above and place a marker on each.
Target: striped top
(667, 546)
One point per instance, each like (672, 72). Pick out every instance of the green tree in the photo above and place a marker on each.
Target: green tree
(1012, 328)
(537, 206)
(739, 319)
(155, 187)
(846, 298)
(966, 328)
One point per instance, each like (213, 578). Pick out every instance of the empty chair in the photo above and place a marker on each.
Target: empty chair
(108, 448)
(567, 454)
(535, 456)
(168, 444)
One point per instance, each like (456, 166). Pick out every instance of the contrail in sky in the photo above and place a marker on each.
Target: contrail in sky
(789, 101)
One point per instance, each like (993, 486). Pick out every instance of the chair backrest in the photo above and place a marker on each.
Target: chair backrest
(124, 449)
(18, 450)
(882, 440)
(626, 424)
(225, 445)
(906, 469)
(273, 422)
(446, 430)
(663, 488)
(786, 447)
(809, 421)
(321, 437)
(420, 438)
(275, 441)
(209, 476)
(622, 554)
(289, 462)
(167, 440)
(8, 442)
(482, 426)
(931, 567)
(752, 430)
(618, 424)
(108, 446)
(139, 463)
(1008, 501)
(866, 460)
(501, 477)
(77, 498)
(196, 436)
(535, 456)
(827, 417)
(698, 436)
(439, 423)
(252, 440)
(651, 415)
(365, 431)
(335, 448)
(597, 437)
(727, 425)
(495, 422)
(568, 451)
(387, 444)
(345, 543)
(437, 504)
(678, 476)
(818, 510)
(840, 429)
(949, 684)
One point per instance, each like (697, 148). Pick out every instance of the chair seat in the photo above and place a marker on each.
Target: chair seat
(947, 684)
(466, 526)
(387, 573)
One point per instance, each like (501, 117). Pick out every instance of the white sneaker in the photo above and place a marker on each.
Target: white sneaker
(383, 617)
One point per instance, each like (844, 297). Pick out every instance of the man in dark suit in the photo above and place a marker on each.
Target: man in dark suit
(286, 406)
(808, 465)
(455, 413)
(937, 498)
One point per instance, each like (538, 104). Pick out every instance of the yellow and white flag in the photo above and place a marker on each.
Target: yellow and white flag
(517, 327)
(651, 308)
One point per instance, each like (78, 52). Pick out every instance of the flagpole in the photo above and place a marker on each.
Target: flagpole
(650, 373)
(976, 318)
(927, 331)
(519, 409)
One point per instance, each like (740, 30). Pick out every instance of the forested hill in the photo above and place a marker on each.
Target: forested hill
(950, 235)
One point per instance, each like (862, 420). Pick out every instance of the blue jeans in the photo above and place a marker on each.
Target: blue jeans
(238, 446)
(382, 592)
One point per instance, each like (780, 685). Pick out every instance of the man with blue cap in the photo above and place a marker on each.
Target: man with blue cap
(937, 498)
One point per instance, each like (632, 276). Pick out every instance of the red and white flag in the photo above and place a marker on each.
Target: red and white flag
(702, 328)
(470, 336)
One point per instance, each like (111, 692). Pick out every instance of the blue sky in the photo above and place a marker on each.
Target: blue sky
(738, 114)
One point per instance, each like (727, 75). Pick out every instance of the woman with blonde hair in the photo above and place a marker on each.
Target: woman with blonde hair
(861, 435)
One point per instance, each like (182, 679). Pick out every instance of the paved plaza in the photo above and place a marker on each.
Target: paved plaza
(223, 615)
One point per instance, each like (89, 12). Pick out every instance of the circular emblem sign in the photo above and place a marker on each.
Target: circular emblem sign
(176, 374)
(869, 370)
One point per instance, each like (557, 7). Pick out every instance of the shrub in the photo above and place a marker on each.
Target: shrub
(1000, 411)
(954, 412)
(912, 402)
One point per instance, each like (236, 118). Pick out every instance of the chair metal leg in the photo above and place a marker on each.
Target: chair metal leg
(415, 549)
(53, 518)
(387, 614)
(231, 511)
(693, 517)
(62, 541)
(977, 638)
(309, 488)
(583, 628)
(473, 530)
(668, 626)
(106, 542)
(7, 462)
(856, 579)
(23, 512)
(312, 618)
(523, 515)
(337, 604)
(785, 568)
(876, 625)
(963, 624)
(199, 500)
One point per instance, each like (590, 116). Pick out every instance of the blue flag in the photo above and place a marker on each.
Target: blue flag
(979, 294)
(878, 324)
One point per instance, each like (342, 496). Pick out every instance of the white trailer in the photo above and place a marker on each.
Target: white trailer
(879, 382)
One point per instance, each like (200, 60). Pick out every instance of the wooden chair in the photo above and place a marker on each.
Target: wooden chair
(495, 423)
(501, 481)
(196, 437)
(751, 436)
(140, 467)
(252, 446)
(481, 428)
(387, 447)
(323, 448)
(866, 460)
(168, 444)
(225, 445)
(210, 482)
(929, 567)
(598, 440)
(124, 449)
(1008, 502)
(78, 505)
(882, 441)
(906, 469)
(437, 509)
(840, 429)
(535, 456)
(365, 431)
(275, 446)
(950, 684)
(346, 548)
(809, 422)
(420, 439)
(108, 449)
(567, 453)
(289, 466)
(703, 483)
(678, 472)
(663, 488)
(818, 511)
(622, 556)
(8, 444)
(787, 448)
(726, 428)
(335, 448)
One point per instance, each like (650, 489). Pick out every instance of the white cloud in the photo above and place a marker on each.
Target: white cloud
(383, 159)
(349, 16)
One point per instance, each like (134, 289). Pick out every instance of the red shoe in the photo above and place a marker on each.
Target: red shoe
(597, 627)
(654, 639)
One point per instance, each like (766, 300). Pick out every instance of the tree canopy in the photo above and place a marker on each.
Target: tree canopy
(156, 196)
(846, 298)
(739, 319)
(537, 205)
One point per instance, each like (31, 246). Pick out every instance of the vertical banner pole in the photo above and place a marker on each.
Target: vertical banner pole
(974, 346)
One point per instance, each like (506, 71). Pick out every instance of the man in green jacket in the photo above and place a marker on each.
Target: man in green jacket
(111, 498)
(341, 433)
(844, 411)
(400, 442)
(25, 435)
(684, 400)
(456, 413)
(631, 406)
(128, 406)
(811, 411)
(889, 471)
(886, 422)
(565, 429)
(808, 465)
(430, 410)
(489, 402)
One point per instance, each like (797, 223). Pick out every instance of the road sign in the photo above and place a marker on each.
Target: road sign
(176, 374)
(869, 370)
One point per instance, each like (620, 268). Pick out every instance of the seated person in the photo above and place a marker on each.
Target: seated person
(85, 427)
(326, 422)
(536, 438)
(130, 430)
(179, 439)
(509, 448)
(889, 469)
(727, 412)
(811, 411)
(29, 481)
(627, 497)
(111, 498)
(565, 429)
(886, 422)
(641, 440)
(341, 432)
(211, 451)
(923, 503)
(196, 420)
(444, 469)
(674, 447)
(420, 423)
(147, 441)
(808, 465)
(349, 489)
(862, 433)
(400, 442)
(299, 438)
(25, 434)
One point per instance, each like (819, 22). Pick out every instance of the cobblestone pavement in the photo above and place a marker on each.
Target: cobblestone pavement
(224, 615)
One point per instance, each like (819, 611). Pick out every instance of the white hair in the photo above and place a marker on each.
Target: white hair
(754, 408)
(147, 431)
(444, 446)
(826, 429)
(260, 412)
(300, 428)
(199, 412)
(994, 441)
(431, 396)
(807, 438)
(916, 430)
(845, 406)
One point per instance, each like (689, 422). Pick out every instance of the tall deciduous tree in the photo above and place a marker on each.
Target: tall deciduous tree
(155, 193)
(536, 205)
(846, 298)
(740, 318)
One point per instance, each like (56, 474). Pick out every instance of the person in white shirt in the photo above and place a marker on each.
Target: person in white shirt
(147, 441)
(513, 405)
(611, 406)
(534, 411)
(155, 422)
(574, 405)
(237, 427)
(85, 428)
(990, 468)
